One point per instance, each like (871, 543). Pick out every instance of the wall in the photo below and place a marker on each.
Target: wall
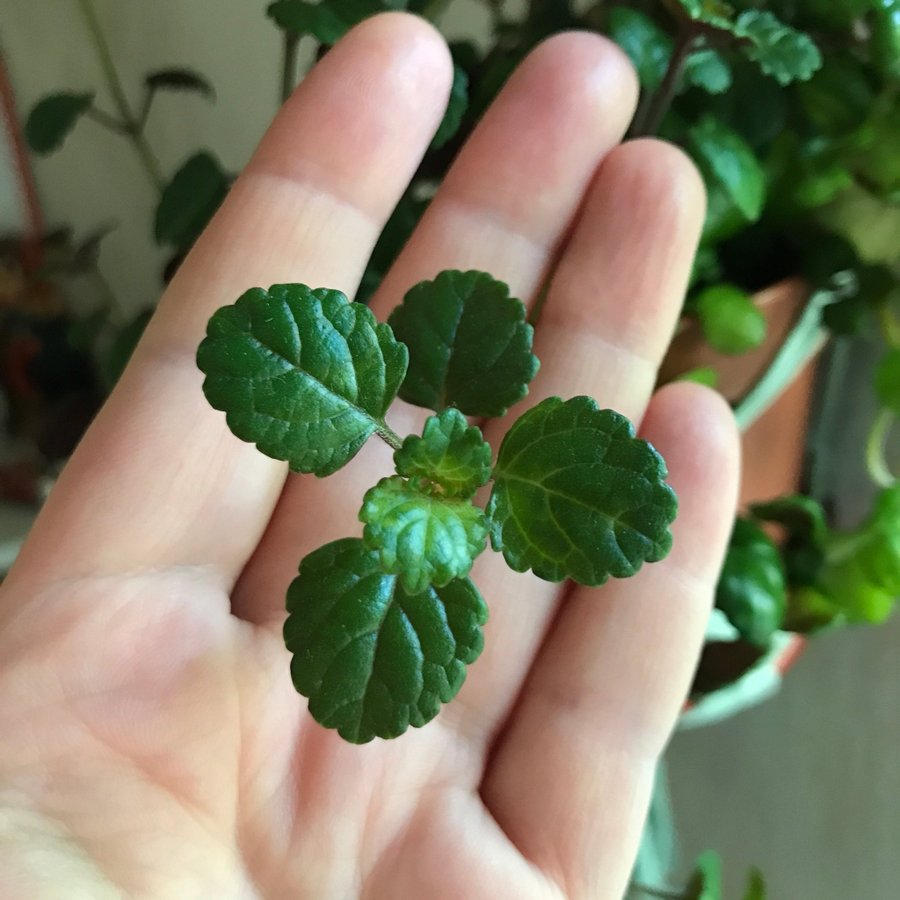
(95, 177)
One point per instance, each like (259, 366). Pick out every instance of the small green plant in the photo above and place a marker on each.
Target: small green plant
(382, 627)
(705, 883)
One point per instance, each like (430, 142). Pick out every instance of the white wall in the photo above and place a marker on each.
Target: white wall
(95, 177)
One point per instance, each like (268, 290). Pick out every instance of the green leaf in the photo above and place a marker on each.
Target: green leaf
(705, 375)
(707, 70)
(456, 109)
(190, 200)
(424, 538)
(801, 516)
(373, 659)
(751, 589)
(756, 886)
(450, 453)
(648, 47)
(179, 80)
(727, 159)
(886, 37)
(806, 535)
(470, 346)
(329, 20)
(732, 323)
(861, 575)
(577, 495)
(304, 374)
(706, 882)
(396, 233)
(840, 96)
(887, 380)
(53, 117)
(780, 51)
(302, 18)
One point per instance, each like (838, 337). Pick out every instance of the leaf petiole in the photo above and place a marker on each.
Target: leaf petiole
(128, 121)
(876, 460)
(389, 436)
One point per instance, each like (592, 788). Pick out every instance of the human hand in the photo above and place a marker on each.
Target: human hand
(153, 745)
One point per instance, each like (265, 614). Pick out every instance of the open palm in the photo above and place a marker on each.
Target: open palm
(152, 744)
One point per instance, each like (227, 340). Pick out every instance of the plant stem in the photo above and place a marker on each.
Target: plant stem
(127, 118)
(662, 893)
(289, 64)
(805, 340)
(876, 462)
(389, 436)
(651, 117)
(106, 120)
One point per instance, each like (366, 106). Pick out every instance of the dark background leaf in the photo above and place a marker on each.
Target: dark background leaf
(190, 200)
(53, 118)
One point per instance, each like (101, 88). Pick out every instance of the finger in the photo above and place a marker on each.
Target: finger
(503, 208)
(159, 479)
(603, 331)
(602, 698)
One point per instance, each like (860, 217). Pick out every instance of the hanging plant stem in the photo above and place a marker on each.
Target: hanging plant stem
(289, 64)
(657, 105)
(661, 893)
(805, 340)
(129, 123)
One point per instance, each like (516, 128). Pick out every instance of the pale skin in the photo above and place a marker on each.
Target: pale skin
(152, 743)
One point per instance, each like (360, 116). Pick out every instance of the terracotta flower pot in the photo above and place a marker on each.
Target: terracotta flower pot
(773, 446)
(773, 454)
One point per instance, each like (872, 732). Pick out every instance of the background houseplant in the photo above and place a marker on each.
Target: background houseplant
(819, 157)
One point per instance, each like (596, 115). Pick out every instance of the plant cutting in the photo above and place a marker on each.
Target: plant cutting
(382, 628)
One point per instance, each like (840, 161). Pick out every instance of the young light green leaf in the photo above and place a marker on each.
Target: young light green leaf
(470, 346)
(751, 589)
(706, 882)
(425, 539)
(373, 659)
(732, 323)
(179, 80)
(53, 117)
(189, 200)
(577, 495)
(450, 453)
(861, 575)
(304, 374)
(705, 375)
(727, 159)
(780, 51)
(456, 109)
(887, 380)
